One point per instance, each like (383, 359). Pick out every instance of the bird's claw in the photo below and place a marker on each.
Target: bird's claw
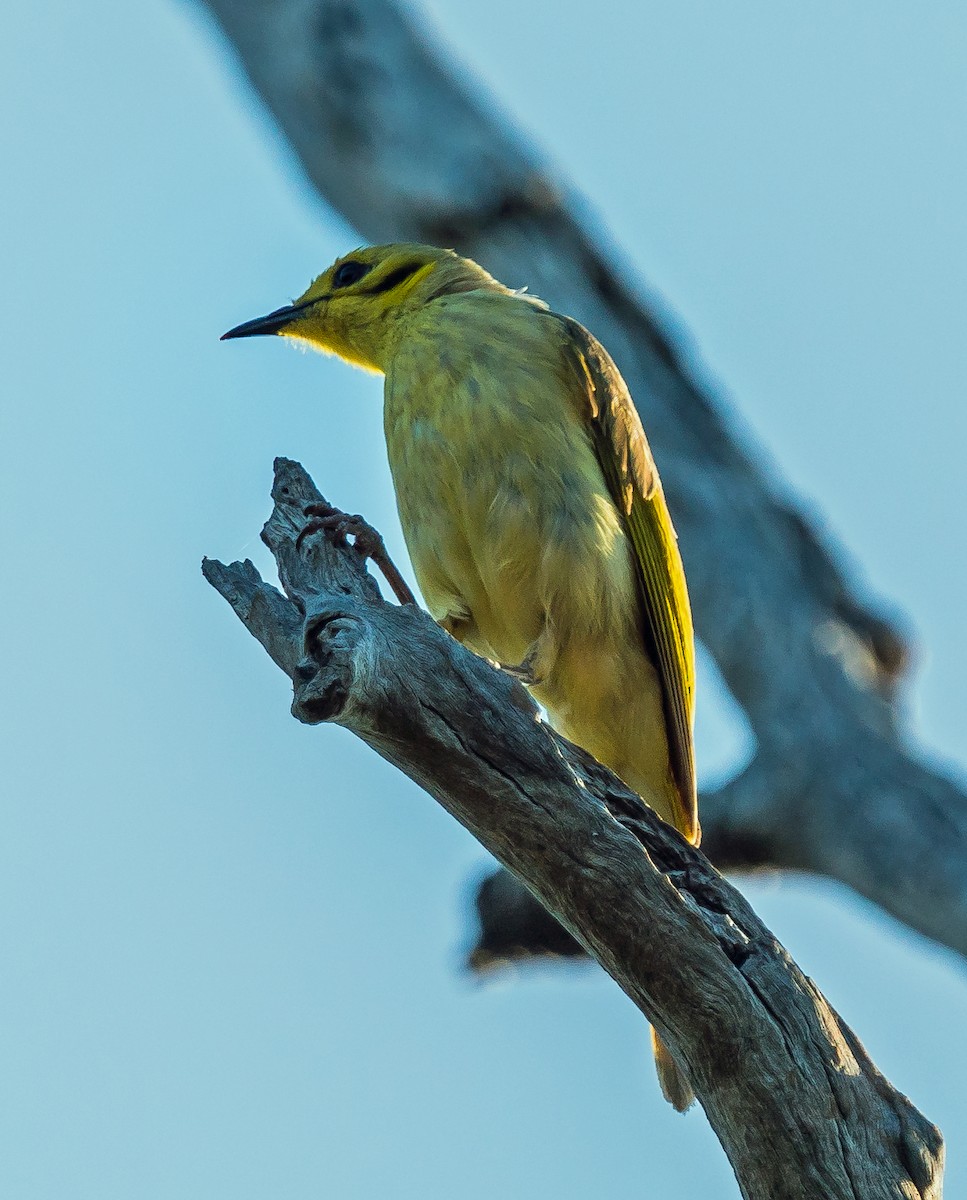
(525, 672)
(340, 526)
(367, 542)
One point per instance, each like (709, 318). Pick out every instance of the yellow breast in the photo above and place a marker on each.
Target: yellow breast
(503, 505)
(510, 527)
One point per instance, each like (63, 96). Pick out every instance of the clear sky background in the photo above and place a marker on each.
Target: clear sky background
(231, 946)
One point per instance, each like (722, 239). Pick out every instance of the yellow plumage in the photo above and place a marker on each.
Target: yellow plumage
(529, 501)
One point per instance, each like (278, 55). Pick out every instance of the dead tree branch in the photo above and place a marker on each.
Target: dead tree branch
(797, 1104)
(405, 151)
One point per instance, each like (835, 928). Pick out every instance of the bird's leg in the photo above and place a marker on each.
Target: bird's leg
(367, 542)
(456, 626)
(523, 671)
(532, 671)
(536, 663)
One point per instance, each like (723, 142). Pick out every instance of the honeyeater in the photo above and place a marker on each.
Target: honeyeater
(530, 504)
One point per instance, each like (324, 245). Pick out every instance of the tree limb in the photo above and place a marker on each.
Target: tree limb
(797, 1104)
(405, 151)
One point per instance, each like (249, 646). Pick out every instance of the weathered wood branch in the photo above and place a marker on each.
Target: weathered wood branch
(405, 151)
(797, 1104)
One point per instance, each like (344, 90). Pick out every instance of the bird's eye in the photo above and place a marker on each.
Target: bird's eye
(349, 272)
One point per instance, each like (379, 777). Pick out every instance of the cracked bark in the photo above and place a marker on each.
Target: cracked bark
(796, 1102)
(404, 150)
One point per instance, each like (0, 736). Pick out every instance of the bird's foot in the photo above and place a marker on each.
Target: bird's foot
(526, 672)
(367, 542)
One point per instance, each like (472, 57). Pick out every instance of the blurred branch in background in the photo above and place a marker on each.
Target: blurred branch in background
(771, 1062)
(406, 152)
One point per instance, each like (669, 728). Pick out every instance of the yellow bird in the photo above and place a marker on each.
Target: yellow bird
(530, 503)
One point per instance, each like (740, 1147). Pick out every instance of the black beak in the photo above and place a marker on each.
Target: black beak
(275, 322)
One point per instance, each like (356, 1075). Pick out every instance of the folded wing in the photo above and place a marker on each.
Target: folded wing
(632, 478)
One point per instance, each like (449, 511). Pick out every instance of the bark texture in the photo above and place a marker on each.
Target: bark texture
(406, 150)
(797, 1104)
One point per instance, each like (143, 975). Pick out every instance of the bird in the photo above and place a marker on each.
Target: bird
(530, 504)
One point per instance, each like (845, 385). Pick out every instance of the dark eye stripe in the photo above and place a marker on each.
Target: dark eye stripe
(394, 278)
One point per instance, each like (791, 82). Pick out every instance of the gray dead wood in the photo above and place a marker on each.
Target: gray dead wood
(797, 1104)
(406, 150)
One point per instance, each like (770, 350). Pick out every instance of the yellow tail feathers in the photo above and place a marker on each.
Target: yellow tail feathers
(674, 1086)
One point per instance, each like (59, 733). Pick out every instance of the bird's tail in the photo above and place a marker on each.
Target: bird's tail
(674, 1086)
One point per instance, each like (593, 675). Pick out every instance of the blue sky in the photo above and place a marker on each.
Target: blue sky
(232, 944)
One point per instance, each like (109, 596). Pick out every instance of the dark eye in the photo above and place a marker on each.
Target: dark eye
(349, 272)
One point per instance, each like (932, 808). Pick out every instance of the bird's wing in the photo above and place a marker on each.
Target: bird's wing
(629, 469)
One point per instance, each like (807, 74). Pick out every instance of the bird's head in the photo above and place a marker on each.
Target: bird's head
(357, 308)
